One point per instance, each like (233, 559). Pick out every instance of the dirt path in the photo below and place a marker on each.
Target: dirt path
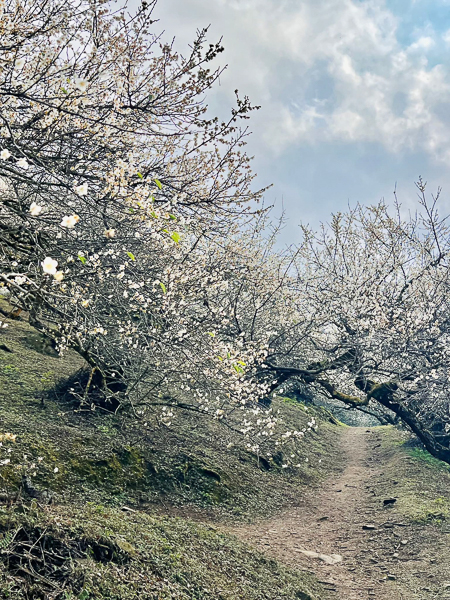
(346, 523)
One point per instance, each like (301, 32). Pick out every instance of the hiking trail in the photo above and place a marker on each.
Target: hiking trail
(348, 533)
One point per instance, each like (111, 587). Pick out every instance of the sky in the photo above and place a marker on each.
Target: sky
(354, 95)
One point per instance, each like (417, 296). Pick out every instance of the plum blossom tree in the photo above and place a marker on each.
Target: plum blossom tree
(369, 325)
(118, 195)
(126, 233)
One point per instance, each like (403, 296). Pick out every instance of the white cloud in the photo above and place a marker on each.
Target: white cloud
(369, 88)
(424, 43)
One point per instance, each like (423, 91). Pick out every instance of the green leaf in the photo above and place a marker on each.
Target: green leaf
(241, 363)
(140, 175)
(82, 258)
(131, 210)
(131, 255)
(163, 287)
(173, 217)
(238, 369)
(176, 237)
(211, 334)
(64, 90)
(158, 183)
(84, 595)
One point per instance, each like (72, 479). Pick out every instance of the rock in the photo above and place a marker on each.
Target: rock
(309, 553)
(303, 596)
(392, 577)
(126, 547)
(369, 527)
(404, 542)
(331, 559)
(389, 501)
(5, 348)
(29, 488)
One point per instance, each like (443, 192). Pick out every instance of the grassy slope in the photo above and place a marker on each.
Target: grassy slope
(420, 482)
(95, 464)
(99, 552)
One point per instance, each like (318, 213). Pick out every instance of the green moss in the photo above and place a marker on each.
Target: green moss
(422, 483)
(126, 468)
(421, 509)
(425, 457)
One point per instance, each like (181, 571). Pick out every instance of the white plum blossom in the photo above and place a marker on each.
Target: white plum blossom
(22, 163)
(20, 63)
(110, 233)
(70, 221)
(35, 209)
(49, 265)
(58, 276)
(5, 154)
(81, 84)
(82, 189)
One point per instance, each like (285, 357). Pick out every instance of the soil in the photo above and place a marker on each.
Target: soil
(376, 552)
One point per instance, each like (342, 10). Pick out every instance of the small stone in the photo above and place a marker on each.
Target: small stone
(389, 501)
(331, 559)
(404, 542)
(392, 577)
(369, 527)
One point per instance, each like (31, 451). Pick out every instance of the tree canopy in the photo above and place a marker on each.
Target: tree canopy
(130, 231)
(372, 322)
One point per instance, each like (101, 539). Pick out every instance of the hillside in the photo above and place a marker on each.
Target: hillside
(104, 486)
(95, 505)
